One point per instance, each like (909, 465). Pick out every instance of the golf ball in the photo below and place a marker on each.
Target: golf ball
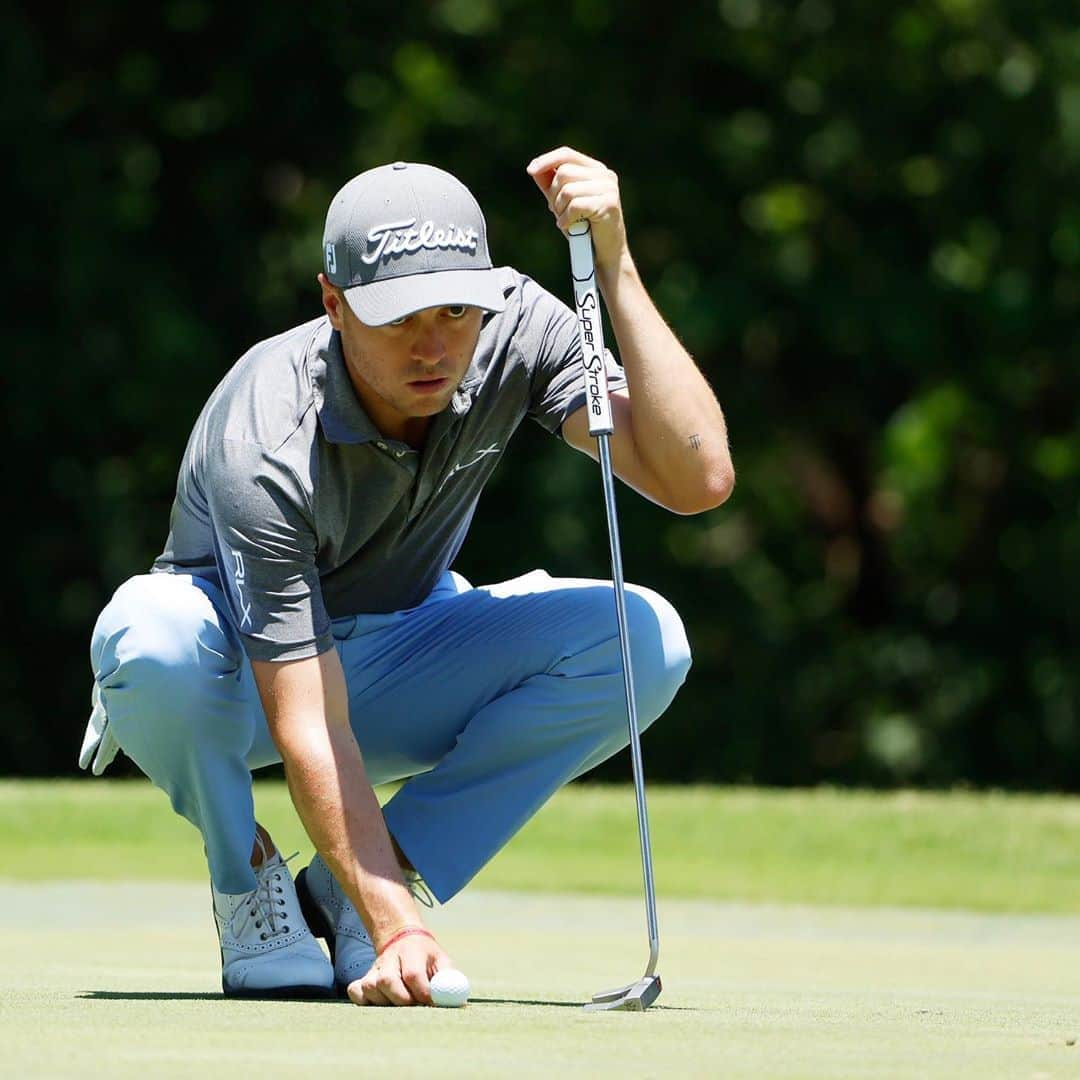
(449, 989)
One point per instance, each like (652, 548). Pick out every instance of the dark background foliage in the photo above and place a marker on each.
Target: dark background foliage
(863, 218)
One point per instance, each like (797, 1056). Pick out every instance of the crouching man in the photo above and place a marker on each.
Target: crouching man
(304, 610)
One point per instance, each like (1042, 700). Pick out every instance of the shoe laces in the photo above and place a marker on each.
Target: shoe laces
(420, 892)
(263, 905)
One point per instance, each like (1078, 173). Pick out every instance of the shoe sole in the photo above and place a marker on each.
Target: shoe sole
(318, 924)
(283, 993)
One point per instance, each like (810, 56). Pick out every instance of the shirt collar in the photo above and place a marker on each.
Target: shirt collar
(341, 415)
(469, 387)
(465, 394)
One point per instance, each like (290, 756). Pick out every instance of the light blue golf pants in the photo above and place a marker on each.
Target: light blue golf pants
(484, 700)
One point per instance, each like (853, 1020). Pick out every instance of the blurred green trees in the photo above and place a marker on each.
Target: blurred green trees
(862, 218)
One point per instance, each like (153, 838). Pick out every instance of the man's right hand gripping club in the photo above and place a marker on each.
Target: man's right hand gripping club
(307, 711)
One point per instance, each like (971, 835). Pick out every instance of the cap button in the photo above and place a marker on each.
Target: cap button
(400, 165)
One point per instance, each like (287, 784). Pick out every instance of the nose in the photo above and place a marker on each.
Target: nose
(429, 346)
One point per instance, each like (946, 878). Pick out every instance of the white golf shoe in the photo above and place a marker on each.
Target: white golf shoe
(332, 917)
(267, 950)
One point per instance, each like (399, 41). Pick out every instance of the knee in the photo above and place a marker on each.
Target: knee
(660, 652)
(155, 630)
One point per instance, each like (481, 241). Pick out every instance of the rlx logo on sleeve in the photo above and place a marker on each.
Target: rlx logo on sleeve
(238, 579)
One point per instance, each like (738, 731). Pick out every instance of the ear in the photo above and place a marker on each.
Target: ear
(333, 302)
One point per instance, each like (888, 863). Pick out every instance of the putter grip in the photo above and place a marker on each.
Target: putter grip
(590, 329)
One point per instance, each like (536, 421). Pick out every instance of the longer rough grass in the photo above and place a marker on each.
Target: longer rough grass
(989, 852)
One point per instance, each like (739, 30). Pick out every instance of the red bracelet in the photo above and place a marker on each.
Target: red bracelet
(405, 933)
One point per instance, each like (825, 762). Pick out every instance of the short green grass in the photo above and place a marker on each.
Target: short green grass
(801, 937)
(121, 980)
(959, 850)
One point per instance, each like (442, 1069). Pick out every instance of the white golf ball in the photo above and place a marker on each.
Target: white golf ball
(449, 988)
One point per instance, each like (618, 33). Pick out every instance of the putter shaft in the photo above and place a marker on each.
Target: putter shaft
(631, 705)
(641, 994)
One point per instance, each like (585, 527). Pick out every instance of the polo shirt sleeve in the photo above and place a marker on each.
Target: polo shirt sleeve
(265, 546)
(548, 338)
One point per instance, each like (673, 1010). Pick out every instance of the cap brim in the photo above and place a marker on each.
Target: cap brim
(382, 302)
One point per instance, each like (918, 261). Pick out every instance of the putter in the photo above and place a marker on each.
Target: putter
(636, 996)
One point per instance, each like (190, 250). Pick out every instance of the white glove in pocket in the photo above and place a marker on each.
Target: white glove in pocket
(98, 745)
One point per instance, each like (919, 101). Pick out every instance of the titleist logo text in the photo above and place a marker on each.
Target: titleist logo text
(396, 237)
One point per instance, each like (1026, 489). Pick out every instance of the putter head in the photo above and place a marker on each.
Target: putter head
(636, 997)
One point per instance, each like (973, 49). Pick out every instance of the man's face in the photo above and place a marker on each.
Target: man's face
(406, 371)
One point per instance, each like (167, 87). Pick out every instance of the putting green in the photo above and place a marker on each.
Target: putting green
(120, 980)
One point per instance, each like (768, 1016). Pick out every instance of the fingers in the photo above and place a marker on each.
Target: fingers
(579, 199)
(578, 187)
(384, 984)
(550, 161)
(401, 975)
(544, 168)
(567, 188)
(417, 984)
(569, 179)
(577, 190)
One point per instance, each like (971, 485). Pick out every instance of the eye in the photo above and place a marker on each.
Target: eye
(456, 311)
(400, 322)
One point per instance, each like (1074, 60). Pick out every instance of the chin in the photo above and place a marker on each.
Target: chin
(427, 407)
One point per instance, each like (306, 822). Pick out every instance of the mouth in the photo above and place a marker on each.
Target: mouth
(429, 385)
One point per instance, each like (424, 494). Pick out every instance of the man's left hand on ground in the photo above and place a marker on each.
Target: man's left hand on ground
(580, 188)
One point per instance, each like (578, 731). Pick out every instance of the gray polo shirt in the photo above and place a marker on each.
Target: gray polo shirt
(302, 512)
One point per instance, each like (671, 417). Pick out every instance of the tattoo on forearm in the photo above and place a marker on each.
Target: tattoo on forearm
(695, 442)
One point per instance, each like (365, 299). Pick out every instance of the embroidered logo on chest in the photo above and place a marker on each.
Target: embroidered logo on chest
(494, 448)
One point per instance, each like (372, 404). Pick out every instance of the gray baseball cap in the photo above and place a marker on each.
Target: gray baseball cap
(404, 237)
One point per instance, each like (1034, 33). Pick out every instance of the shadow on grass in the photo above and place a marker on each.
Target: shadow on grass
(149, 995)
(525, 1001)
(154, 995)
(567, 1004)
(158, 995)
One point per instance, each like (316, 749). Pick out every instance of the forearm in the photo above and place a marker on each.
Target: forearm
(335, 802)
(676, 452)
(678, 427)
(344, 821)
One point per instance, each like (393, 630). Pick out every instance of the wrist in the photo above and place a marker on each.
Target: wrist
(616, 274)
(401, 932)
(385, 906)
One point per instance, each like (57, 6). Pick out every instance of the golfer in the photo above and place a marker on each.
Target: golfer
(304, 611)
